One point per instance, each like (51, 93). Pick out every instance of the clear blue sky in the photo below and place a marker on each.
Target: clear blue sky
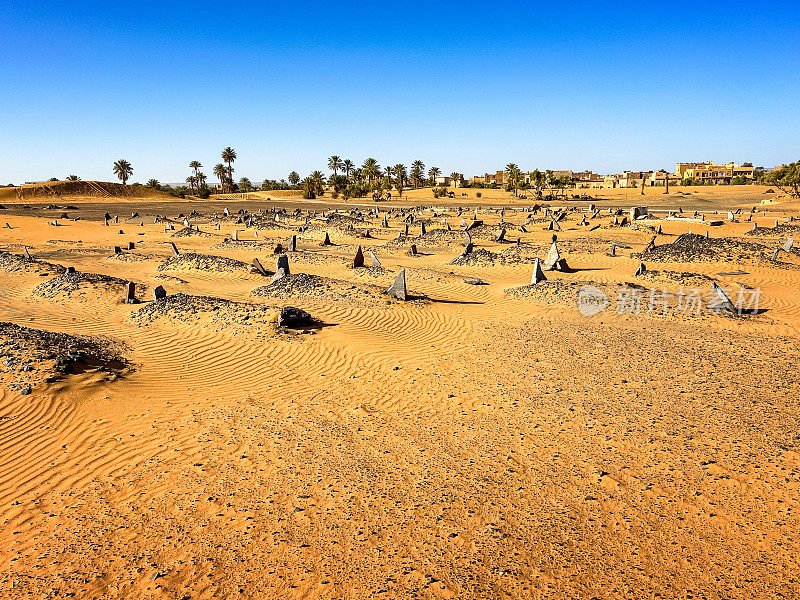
(461, 85)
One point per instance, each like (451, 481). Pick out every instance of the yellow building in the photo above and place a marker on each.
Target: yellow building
(708, 172)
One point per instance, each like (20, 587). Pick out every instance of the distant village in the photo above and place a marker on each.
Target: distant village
(691, 173)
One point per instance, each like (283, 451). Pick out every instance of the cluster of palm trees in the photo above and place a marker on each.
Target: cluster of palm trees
(516, 179)
(354, 181)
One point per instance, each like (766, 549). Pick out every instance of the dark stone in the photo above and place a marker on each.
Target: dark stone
(159, 293)
(358, 259)
(130, 293)
(294, 317)
(538, 274)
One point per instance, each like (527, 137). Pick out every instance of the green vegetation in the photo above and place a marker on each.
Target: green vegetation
(123, 170)
(786, 179)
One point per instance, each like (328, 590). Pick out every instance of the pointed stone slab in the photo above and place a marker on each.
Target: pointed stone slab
(174, 249)
(788, 245)
(422, 231)
(327, 240)
(501, 236)
(467, 238)
(475, 223)
(358, 259)
(398, 288)
(26, 254)
(724, 302)
(538, 274)
(292, 244)
(640, 270)
(552, 258)
(259, 269)
(374, 262)
(775, 254)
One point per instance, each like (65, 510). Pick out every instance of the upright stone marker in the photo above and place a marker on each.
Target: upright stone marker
(259, 269)
(159, 293)
(281, 268)
(398, 288)
(130, 293)
(374, 262)
(538, 274)
(358, 259)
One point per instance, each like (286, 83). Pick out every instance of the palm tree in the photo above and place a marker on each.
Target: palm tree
(400, 174)
(347, 166)
(191, 180)
(219, 171)
(228, 156)
(433, 173)
(513, 175)
(371, 169)
(455, 179)
(123, 170)
(294, 178)
(417, 171)
(195, 165)
(318, 180)
(153, 183)
(73, 178)
(334, 164)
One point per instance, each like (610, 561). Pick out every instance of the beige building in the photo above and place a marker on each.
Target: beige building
(711, 173)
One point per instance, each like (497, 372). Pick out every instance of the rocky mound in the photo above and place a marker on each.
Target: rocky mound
(782, 229)
(189, 261)
(189, 232)
(18, 263)
(691, 247)
(35, 355)
(317, 288)
(68, 284)
(219, 312)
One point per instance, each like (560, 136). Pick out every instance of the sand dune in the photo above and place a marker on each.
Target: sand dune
(477, 441)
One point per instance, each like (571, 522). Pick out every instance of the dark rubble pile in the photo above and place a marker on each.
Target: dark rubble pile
(554, 291)
(28, 356)
(781, 229)
(203, 262)
(691, 247)
(684, 278)
(191, 231)
(17, 262)
(315, 287)
(230, 244)
(480, 257)
(129, 257)
(68, 284)
(187, 308)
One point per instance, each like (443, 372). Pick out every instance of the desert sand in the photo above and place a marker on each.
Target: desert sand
(472, 441)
